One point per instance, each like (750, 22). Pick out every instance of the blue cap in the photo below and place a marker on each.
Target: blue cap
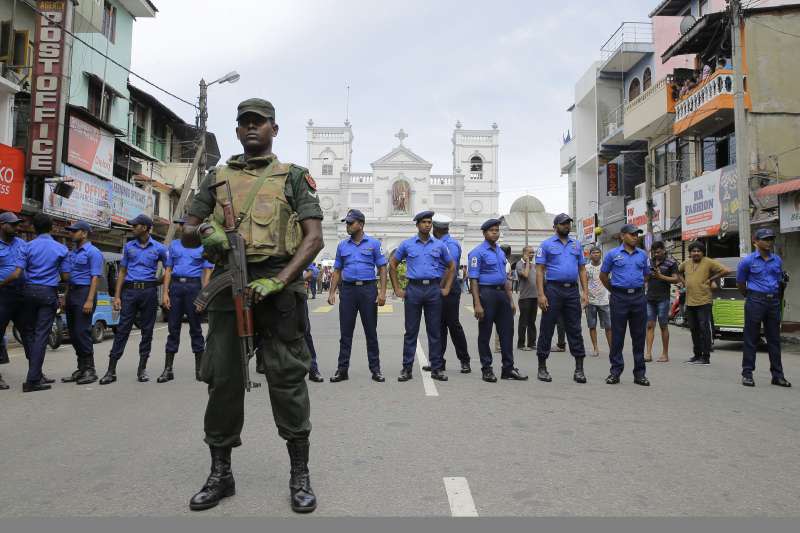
(353, 215)
(490, 223)
(79, 225)
(630, 228)
(765, 233)
(9, 218)
(423, 214)
(141, 219)
(562, 218)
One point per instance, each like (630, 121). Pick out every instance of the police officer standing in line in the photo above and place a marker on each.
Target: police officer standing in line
(12, 279)
(84, 264)
(282, 229)
(313, 371)
(559, 266)
(310, 275)
(44, 266)
(759, 277)
(136, 294)
(430, 271)
(451, 304)
(355, 264)
(624, 273)
(185, 273)
(493, 302)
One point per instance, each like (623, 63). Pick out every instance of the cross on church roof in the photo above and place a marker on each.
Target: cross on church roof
(401, 135)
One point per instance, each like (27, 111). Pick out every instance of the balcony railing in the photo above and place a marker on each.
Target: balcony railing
(719, 83)
(441, 180)
(612, 122)
(628, 32)
(361, 178)
(639, 100)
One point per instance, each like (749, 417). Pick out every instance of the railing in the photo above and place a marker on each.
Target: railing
(721, 82)
(359, 178)
(476, 176)
(330, 135)
(475, 139)
(628, 32)
(613, 122)
(665, 82)
(442, 180)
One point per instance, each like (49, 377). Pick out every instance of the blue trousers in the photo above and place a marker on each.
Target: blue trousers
(628, 309)
(497, 313)
(39, 311)
(141, 302)
(358, 300)
(429, 299)
(312, 285)
(79, 324)
(309, 340)
(11, 309)
(767, 311)
(564, 304)
(451, 307)
(181, 297)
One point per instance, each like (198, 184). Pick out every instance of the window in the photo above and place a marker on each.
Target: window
(635, 89)
(139, 125)
(672, 162)
(647, 79)
(156, 203)
(704, 8)
(719, 151)
(110, 22)
(96, 100)
(476, 168)
(574, 194)
(684, 154)
(160, 134)
(661, 166)
(327, 164)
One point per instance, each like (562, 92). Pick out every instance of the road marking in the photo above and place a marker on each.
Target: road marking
(460, 497)
(388, 308)
(427, 381)
(323, 309)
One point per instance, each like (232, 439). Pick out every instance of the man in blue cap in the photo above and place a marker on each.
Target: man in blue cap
(84, 264)
(12, 279)
(493, 302)
(560, 265)
(310, 275)
(761, 279)
(624, 272)
(44, 267)
(186, 272)
(357, 259)
(430, 271)
(136, 294)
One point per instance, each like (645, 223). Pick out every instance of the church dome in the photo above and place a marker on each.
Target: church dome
(527, 203)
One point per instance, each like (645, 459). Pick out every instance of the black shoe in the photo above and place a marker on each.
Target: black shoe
(3, 384)
(465, 368)
(543, 375)
(781, 382)
(315, 376)
(643, 381)
(748, 381)
(220, 483)
(438, 375)
(695, 360)
(198, 357)
(301, 494)
(427, 368)
(111, 373)
(405, 375)
(75, 376)
(33, 387)
(261, 368)
(514, 374)
(141, 372)
(46, 380)
(340, 375)
(488, 375)
(612, 380)
(167, 374)
(89, 376)
(579, 376)
(378, 376)
(704, 361)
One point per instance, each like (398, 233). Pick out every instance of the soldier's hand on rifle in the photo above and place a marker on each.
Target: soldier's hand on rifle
(261, 288)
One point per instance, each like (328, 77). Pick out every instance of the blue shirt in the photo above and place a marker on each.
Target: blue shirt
(487, 264)
(424, 259)
(561, 260)
(454, 248)
(313, 269)
(759, 274)
(44, 260)
(84, 263)
(628, 270)
(186, 262)
(357, 261)
(141, 261)
(11, 258)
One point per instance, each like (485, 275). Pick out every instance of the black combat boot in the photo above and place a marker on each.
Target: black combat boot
(302, 495)
(89, 375)
(75, 376)
(220, 483)
(197, 358)
(111, 373)
(141, 372)
(543, 374)
(167, 374)
(579, 376)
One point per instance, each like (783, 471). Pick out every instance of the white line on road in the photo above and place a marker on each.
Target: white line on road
(427, 382)
(459, 496)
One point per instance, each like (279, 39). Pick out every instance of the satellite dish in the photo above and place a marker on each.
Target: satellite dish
(686, 23)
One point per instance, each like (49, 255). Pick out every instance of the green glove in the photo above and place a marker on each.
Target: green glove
(212, 237)
(265, 286)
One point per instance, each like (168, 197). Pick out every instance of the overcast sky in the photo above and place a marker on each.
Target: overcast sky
(417, 64)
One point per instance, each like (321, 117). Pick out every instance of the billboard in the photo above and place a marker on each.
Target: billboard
(128, 200)
(90, 200)
(12, 178)
(790, 211)
(90, 148)
(636, 213)
(710, 204)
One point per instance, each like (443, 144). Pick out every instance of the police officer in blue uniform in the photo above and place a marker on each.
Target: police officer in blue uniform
(84, 264)
(560, 265)
(311, 274)
(493, 302)
(44, 267)
(760, 278)
(12, 279)
(313, 371)
(451, 304)
(356, 260)
(186, 272)
(136, 294)
(624, 272)
(430, 271)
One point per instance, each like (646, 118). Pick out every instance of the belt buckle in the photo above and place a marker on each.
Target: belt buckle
(138, 285)
(770, 296)
(566, 285)
(359, 283)
(630, 291)
(426, 282)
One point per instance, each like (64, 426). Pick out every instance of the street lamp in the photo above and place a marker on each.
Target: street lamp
(230, 77)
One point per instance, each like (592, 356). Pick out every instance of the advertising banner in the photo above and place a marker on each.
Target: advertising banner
(636, 213)
(90, 148)
(90, 200)
(587, 226)
(710, 204)
(12, 178)
(128, 200)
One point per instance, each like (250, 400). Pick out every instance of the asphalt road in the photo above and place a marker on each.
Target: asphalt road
(695, 443)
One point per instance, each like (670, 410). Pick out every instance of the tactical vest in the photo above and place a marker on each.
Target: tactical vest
(270, 227)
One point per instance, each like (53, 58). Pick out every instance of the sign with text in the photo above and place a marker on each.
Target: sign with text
(128, 200)
(588, 225)
(636, 213)
(612, 179)
(790, 211)
(90, 200)
(710, 204)
(47, 111)
(90, 148)
(12, 178)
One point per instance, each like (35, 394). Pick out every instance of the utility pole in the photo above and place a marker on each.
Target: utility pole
(740, 125)
(203, 127)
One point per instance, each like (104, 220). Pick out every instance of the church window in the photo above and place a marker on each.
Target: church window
(476, 168)
(635, 89)
(327, 164)
(647, 79)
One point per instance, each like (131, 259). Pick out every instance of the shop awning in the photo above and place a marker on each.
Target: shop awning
(702, 38)
(779, 188)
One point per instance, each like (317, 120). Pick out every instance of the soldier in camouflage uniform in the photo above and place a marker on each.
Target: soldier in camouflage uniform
(282, 232)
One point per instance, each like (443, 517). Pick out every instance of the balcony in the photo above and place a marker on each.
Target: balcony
(631, 42)
(650, 114)
(612, 126)
(361, 178)
(568, 155)
(442, 181)
(708, 106)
